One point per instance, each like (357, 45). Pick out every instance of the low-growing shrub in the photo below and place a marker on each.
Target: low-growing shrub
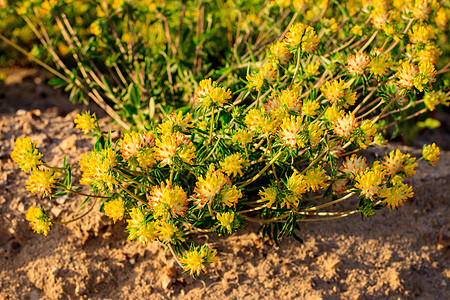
(284, 150)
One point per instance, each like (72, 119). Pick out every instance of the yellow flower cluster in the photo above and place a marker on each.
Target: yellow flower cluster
(175, 145)
(86, 122)
(338, 93)
(96, 168)
(431, 154)
(197, 259)
(301, 37)
(41, 182)
(26, 155)
(39, 222)
(209, 94)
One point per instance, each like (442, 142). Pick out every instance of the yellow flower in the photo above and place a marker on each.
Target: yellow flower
(368, 132)
(96, 168)
(139, 229)
(39, 222)
(172, 198)
(344, 125)
(310, 108)
(428, 71)
(380, 18)
(209, 94)
(175, 122)
(316, 178)
(233, 164)
(289, 131)
(357, 30)
(25, 154)
(268, 194)
(380, 64)
(115, 209)
(259, 121)
(312, 69)
(315, 134)
(353, 165)
(169, 232)
(433, 99)
(302, 37)
(130, 144)
(421, 34)
(441, 19)
(209, 186)
(146, 158)
(431, 154)
(369, 182)
(226, 220)
(297, 184)
(242, 137)
(429, 53)
(338, 94)
(278, 53)
(86, 122)
(394, 162)
(421, 10)
(289, 99)
(197, 259)
(396, 195)
(265, 74)
(230, 195)
(41, 181)
(357, 63)
(332, 113)
(175, 144)
(406, 74)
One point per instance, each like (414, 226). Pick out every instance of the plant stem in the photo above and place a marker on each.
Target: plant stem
(260, 172)
(83, 194)
(76, 219)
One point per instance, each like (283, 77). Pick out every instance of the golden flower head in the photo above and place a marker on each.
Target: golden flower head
(41, 181)
(230, 195)
(357, 63)
(38, 220)
(209, 186)
(420, 33)
(174, 145)
(96, 168)
(226, 220)
(171, 197)
(26, 154)
(369, 182)
(115, 209)
(431, 154)
(268, 194)
(140, 229)
(290, 129)
(432, 99)
(406, 73)
(344, 125)
(353, 165)
(168, 232)
(233, 164)
(302, 37)
(380, 64)
(86, 122)
(316, 178)
(209, 94)
(396, 195)
(197, 259)
(242, 137)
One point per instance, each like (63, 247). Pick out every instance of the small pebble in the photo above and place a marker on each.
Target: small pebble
(132, 261)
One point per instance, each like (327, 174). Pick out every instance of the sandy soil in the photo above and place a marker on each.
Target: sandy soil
(394, 255)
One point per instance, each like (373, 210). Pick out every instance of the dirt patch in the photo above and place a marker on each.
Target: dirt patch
(397, 254)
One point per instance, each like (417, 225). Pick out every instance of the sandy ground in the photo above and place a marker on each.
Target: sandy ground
(394, 255)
